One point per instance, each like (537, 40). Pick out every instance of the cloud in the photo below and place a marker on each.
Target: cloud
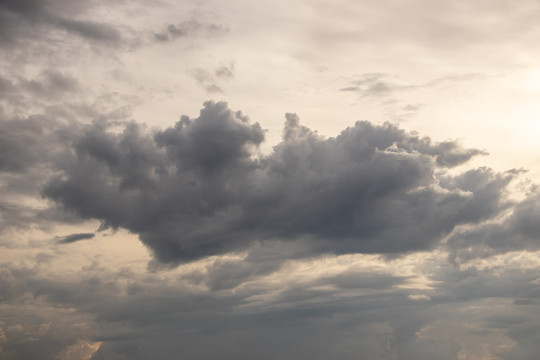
(377, 85)
(255, 254)
(225, 72)
(210, 81)
(206, 80)
(48, 85)
(200, 188)
(30, 20)
(393, 93)
(191, 28)
(381, 85)
(22, 143)
(91, 30)
(36, 327)
(374, 85)
(134, 322)
(301, 310)
(519, 230)
(68, 239)
(24, 149)
(29, 149)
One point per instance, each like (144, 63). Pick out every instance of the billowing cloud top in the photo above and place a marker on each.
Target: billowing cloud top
(201, 188)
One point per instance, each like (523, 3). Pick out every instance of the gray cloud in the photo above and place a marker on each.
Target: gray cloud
(22, 143)
(68, 239)
(376, 85)
(225, 72)
(26, 20)
(210, 81)
(190, 28)
(517, 231)
(91, 30)
(373, 84)
(36, 99)
(29, 149)
(25, 146)
(206, 80)
(52, 82)
(138, 315)
(134, 322)
(199, 188)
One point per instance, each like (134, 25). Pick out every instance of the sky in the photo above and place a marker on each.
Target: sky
(292, 180)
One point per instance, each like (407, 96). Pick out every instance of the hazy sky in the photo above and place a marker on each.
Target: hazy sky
(255, 180)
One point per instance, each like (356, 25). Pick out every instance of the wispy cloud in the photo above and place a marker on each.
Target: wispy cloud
(68, 239)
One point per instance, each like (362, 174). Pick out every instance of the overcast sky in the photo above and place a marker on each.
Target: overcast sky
(254, 180)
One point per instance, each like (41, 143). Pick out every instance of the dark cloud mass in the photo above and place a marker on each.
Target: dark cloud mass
(29, 20)
(200, 188)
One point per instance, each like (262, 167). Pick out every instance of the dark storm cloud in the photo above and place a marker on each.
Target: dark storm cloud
(199, 188)
(68, 239)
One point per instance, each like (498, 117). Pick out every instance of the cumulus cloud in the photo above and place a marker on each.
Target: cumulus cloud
(200, 188)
